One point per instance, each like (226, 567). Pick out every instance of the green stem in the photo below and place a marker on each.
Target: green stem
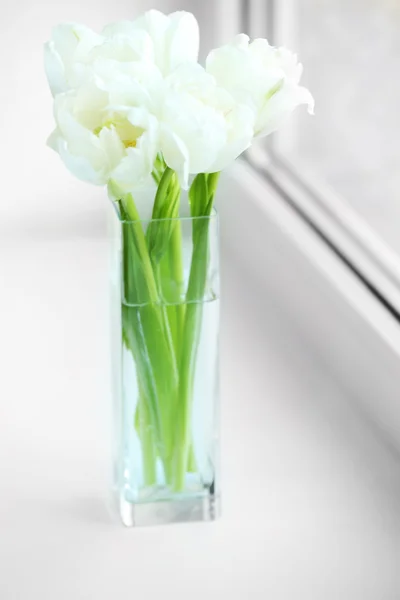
(140, 242)
(188, 360)
(136, 341)
(145, 330)
(179, 310)
(176, 269)
(163, 338)
(168, 332)
(201, 199)
(146, 432)
(191, 335)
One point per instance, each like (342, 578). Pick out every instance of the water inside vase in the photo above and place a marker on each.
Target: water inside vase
(200, 475)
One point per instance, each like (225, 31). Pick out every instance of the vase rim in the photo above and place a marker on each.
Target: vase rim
(213, 216)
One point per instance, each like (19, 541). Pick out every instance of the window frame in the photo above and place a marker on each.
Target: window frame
(337, 223)
(359, 334)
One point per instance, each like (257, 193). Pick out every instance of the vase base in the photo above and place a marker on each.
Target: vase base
(185, 510)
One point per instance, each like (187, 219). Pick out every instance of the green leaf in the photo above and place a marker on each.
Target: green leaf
(165, 210)
(198, 195)
(212, 184)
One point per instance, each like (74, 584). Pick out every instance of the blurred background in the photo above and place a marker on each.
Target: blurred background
(310, 339)
(351, 53)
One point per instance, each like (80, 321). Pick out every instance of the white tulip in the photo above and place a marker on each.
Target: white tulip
(135, 84)
(66, 55)
(202, 128)
(174, 37)
(98, 141)
(262, 77)
(166, 41)
(74, 51)
(136, 91)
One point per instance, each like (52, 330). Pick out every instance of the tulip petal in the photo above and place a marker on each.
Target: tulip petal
(175, 38)
(240, 122)
(66, 55)
(78, 165)
(280, 106)
(264, 78)
(182, 39)
(55, 70)
(176, 155)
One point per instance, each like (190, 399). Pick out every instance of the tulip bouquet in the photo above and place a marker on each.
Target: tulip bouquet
(136, 112)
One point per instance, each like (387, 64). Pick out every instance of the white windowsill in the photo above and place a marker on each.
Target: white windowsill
(310, 495)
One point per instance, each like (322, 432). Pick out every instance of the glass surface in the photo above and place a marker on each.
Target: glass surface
(166, 410)
(351, 55)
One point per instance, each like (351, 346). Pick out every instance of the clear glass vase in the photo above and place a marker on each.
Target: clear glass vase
(165, 328)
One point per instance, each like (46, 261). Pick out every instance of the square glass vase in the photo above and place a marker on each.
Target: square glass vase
(165, 369)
